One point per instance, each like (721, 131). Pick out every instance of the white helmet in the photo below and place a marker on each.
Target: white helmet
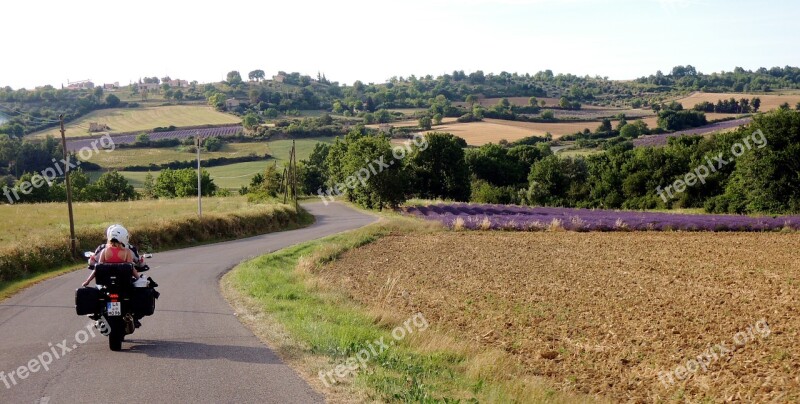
(119, 233)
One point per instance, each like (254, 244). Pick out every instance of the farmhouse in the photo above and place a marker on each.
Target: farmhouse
(231, 103)
(148, 86)
(178, 83)
(111, 86)
(80, 85)
(279, 78)
(98, 127)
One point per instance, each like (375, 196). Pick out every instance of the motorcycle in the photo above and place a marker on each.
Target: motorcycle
(117, 302)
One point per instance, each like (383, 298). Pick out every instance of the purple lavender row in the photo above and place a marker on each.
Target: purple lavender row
(660, 140)
(539, 218)
(75, 145)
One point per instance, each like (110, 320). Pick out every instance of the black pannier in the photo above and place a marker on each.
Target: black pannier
(88, 300)
(143, 301)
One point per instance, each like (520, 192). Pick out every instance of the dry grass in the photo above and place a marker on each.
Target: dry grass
(144, 119)
(768, 102)
(44, 252)
(602, 313)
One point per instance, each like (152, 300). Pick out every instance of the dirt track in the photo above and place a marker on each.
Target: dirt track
(606, 313)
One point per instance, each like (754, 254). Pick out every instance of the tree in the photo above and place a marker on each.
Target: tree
(213, 144)
(183, 183)
(112, 186)
(532, 102)
(148, 188)
(605, 126)
(234, 77)
(440, 170)
(425, 123)
(315, 170)
(256, 75)
(492, 163)
(217, 100)
(112, 101)
(471, 100)
(437, 119)
(756, 104)
(250, 121)
(178, 95)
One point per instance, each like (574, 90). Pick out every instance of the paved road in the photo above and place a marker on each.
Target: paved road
(192, 350)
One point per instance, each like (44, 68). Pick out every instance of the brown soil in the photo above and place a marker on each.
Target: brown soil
(604, 313)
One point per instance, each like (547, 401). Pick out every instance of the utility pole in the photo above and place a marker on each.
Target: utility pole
(199, 182)
(72, 239)
(293, 163)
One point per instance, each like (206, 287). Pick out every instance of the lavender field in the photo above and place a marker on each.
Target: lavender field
(508, 217)
(75, 145)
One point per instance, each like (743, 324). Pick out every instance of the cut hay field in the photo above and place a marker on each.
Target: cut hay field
(410, 123)
(143, 119)
(768, 101)
(27, 221)
(494, 130)
(613, 315)
(523, 101)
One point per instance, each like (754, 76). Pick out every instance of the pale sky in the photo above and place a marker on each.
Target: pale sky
(50, 42)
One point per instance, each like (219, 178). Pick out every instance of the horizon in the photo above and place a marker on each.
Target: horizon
(347, 42)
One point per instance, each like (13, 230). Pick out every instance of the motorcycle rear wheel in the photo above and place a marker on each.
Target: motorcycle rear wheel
(117, 334)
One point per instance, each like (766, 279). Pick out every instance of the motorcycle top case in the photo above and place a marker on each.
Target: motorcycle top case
(88, 300)
(143, 301)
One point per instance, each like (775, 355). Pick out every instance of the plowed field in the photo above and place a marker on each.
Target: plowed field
(605, 313)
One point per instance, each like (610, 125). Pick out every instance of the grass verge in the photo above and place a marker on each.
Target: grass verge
(315, 329)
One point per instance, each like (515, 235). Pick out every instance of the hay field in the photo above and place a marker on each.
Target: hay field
(20, 222)
(494, 130)
(144, 119)
(768, 102)
(607, 314)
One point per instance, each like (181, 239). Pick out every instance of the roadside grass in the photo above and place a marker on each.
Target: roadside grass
(41, 255)
(19, 222)
(10, 288)
(144, 119)
(315, 329)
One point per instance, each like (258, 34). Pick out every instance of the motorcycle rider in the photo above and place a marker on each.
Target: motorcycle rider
(115, 251)
(138, 261)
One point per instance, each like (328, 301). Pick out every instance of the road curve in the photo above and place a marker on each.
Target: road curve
(192, 350)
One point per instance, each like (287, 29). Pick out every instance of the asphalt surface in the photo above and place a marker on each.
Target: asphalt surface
(193, 349)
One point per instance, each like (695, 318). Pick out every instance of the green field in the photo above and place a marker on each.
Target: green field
(145, 156)
(27, 221)
(144, 119)
(231, 176)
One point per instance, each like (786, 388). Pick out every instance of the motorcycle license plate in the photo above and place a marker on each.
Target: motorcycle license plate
(114, 308)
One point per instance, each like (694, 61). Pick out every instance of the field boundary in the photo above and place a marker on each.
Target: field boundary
(316, 329)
